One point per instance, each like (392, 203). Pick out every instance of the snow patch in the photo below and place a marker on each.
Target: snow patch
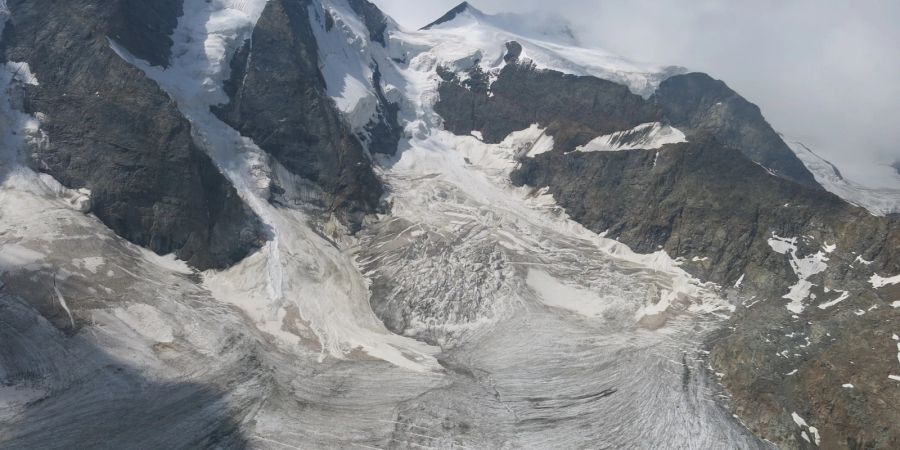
(92, 263)
(802, 424)
(880, 282)
(14, 257)
(804, 268)
(844, 295)
(648, 136)
(21, 72)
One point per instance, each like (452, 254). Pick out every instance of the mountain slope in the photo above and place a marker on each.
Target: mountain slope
(113, 132)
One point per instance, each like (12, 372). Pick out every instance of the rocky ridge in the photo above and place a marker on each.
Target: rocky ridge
(112, 131)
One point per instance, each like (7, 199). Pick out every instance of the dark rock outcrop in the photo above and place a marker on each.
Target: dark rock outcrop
(513, 52)
(278, 99)
(696, 103)
(375, 20)
(113, 131)
(383, 133)
(574, 109)
(577, 109)
(705, 199)
(144, 27)
(450, 15)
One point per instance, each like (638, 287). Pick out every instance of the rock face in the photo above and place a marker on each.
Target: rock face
(383, 133)
(697, 103)
(705, 199)
(144, 27)
(116, 133)
(278, 99)
(450, 15)
(374, 19)
(575, 110)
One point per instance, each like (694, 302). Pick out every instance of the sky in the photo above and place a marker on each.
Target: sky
(824, 72)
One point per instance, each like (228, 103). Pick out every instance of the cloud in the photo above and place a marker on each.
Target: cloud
(824, 72)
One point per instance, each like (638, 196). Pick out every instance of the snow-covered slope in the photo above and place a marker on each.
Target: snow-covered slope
(878, 201)
(646, 136)
(471, 36)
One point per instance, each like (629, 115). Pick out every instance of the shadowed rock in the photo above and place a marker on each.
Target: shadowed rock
(114, 132)
(278, 99)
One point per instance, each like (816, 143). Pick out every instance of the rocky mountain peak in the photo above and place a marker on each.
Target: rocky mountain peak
(450, 15)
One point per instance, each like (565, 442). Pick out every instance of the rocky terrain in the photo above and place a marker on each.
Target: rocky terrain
(293, 224)
(111, 131)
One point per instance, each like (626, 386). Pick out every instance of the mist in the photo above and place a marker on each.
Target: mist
(826, 73)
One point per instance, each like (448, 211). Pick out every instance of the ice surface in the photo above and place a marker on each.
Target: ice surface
(477, 38)
(878, 201)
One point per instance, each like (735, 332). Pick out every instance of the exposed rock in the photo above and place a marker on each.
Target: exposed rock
(513, 51)
(697, 103)
(143, 27)
(383, 133)
(373, 18)
(278, 99)
(114, 132)
(577, 109)
(715, 202)
(573, 109)
(706, 199)
(450, 15)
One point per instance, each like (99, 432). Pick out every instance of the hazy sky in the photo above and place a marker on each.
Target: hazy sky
(824, 72)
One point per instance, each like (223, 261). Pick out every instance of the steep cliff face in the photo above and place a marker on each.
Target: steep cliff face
(373, 18)
(278, 99)
(696, 103)
(577, 109)
(114, 132)
(143, 27)
(573, 109)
